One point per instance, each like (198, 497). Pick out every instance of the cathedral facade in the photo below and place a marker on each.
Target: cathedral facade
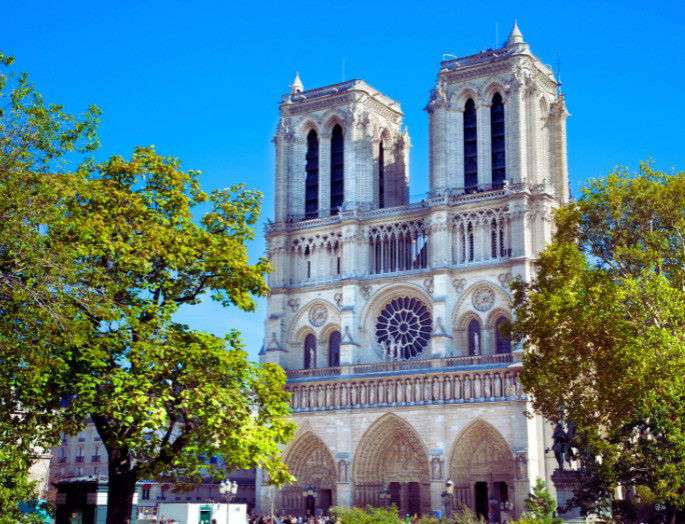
(385, 313)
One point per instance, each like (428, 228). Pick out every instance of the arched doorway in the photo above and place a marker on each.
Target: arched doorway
(392, 456)
(312, 465)
(482, 468)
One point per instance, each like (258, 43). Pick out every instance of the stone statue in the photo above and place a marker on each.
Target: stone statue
(385, 347)
(342, 470)
(312, 358)
(476, 344)
(563, 451)
(521, 465)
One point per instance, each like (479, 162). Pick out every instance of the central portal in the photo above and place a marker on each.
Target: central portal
(392, 457)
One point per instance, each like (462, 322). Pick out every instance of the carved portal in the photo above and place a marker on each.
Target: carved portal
(481, 455)
(312, 464)
(391, 455)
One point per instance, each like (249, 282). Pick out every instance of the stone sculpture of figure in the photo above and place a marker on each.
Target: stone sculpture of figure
(312, 358)
(385, 347)
(397, 353)
(476, 344)
(560, 443)
(521, 466)
(342, 470)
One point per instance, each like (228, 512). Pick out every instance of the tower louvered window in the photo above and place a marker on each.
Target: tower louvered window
(334, 349)
(470, 147)
(497, 141)
(381, 175)
(337, 169)
(502, 340)
(311, 197)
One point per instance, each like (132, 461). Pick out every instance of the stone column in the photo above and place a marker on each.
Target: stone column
(438, 147)
(557, 148)
(296, 178)
(515, 134)
(349, 345)
(281, 144)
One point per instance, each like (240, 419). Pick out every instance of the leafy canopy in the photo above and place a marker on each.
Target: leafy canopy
(604, 327)
(96, 260)
(39, 144)
(165, 397)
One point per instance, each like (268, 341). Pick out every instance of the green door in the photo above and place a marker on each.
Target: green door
(205, 516)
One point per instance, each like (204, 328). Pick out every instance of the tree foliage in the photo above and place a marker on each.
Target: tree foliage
(390, 515)
(539, 506)
(604, 327)
(96, 261)
(39, 144)
(164, 397)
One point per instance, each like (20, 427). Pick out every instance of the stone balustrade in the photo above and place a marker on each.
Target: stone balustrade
(402, 365)
(480, 385)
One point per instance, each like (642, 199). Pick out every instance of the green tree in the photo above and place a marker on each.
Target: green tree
(603, 325)
(96, 261)
(39, 144)
(163, 397)
(539, 506)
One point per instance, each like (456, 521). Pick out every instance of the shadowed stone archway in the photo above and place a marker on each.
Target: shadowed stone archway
(481, 466)
(311, 463)
(391, 455)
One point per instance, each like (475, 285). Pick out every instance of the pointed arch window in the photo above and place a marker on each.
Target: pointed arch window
(502, 341)
(310, 352)
(472, 250)
(473, 333)
(381, 175)
(337, 168)
(334, 349)
(311, 189)
(497, 141)
(470, 147)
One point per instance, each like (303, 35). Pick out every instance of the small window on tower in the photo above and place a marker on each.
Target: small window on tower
(497, 141)
(311, 203)
(470, 147)
(337, 169)
(381, 175)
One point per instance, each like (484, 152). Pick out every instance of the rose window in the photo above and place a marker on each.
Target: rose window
(403, 328)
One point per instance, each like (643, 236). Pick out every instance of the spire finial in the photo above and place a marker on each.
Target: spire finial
(515, 37)
(296, 86)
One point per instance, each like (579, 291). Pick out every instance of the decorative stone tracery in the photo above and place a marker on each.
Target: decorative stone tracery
(310, 461)
(481, 454)
(403, 328)
(391, 453)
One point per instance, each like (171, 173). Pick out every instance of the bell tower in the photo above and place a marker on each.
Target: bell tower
(339, 148)
(497, 119)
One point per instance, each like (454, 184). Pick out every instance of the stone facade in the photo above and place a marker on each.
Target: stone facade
(385, 313)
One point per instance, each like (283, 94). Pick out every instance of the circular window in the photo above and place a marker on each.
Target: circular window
(403, 328)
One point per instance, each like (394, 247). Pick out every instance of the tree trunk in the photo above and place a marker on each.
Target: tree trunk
(121, 489)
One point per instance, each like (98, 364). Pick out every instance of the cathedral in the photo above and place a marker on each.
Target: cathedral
(386, 314)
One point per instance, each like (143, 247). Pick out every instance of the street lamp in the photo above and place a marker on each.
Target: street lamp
(310, 498)
(229, 490)
(447, 498)
(385, 496)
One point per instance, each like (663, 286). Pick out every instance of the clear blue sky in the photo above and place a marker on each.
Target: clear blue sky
(202, 80)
